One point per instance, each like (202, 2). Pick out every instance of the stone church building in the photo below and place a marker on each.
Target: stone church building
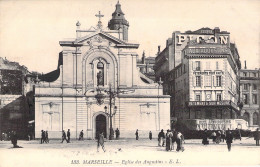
(98, 87)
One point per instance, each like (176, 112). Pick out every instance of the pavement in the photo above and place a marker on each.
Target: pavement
(127, 152)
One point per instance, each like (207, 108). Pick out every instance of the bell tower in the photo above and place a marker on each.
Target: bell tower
(118, 21)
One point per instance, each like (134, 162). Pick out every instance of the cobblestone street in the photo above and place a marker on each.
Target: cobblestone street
(127, 152)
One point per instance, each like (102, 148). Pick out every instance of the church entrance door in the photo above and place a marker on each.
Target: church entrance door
(101, 125)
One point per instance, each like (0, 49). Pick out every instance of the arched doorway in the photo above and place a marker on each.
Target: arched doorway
(101, 125)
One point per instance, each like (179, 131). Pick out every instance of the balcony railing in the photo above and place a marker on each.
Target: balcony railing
(212, 103)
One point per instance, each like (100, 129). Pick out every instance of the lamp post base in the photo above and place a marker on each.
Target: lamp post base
(111, 135)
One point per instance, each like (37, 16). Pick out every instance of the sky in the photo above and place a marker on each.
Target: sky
(30, 30)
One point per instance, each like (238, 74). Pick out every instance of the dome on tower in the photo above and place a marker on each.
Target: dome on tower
(118, 18)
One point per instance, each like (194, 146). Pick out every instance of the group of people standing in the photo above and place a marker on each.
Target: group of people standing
(169, 139)
(67, 137)
(219, 136)
(44, 136)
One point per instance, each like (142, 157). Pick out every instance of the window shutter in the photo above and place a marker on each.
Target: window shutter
(213, 81)
(201, 80)
(200, 65)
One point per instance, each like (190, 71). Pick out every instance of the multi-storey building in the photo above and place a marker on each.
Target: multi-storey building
(146, 65)
(200, 72)
(249, 93)
(16, 98)
(206, 84)
(170, 57)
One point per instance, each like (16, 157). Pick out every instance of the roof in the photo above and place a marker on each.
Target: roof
(118, 42)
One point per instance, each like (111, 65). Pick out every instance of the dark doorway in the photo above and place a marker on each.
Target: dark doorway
(101, 125)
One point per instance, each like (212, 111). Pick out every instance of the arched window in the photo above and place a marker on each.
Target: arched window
(246, 117)
(100, 74)
(255, 118)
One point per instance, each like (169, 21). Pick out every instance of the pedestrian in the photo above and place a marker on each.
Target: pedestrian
(117, 133)
(81, 134)
(238, 134)
(218, 137)
(101, 142)
(14, 139)
(205, 140)
(257, 136)
(180, 141)
(169, 136)
(64, 136)
(68, 135)
(150, 135)
(229, 139)
(174, 138)
(136, 134)
(46, 137)
(214, 136)
(161, 137)
(42, 136)
(223, 135)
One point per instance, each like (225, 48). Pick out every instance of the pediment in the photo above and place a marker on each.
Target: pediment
(100, 38)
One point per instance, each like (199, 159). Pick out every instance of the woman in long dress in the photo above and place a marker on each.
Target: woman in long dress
(101, 142)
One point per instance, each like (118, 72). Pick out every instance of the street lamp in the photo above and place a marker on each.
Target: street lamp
(110, 114)
(111, 94)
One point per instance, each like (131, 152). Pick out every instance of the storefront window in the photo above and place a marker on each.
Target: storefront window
(197, 114)
(219, 114)
(208, 114)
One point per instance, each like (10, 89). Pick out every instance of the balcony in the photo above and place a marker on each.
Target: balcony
(224, 103)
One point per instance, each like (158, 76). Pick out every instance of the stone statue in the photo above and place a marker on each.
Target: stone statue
(100, 78)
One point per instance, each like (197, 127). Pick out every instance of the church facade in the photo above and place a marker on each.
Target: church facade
(97, 87)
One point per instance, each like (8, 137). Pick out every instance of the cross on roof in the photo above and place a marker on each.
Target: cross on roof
(99, 15)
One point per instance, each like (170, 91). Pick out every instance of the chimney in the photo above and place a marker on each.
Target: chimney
(143, 58)
(245, 64)
(216, 30)
(159, 48)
